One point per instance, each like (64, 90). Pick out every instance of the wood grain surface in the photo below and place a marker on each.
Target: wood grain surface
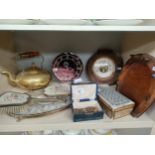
(137, 82)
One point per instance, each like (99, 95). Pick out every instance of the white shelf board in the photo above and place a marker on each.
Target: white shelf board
(75, 28)
(63, 120)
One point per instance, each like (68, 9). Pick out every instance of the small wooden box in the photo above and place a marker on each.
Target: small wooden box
(115, 104)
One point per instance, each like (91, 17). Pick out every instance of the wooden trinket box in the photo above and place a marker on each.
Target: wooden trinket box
(115, 104)
(84, 102)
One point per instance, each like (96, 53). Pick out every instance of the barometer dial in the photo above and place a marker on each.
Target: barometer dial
(104, 66)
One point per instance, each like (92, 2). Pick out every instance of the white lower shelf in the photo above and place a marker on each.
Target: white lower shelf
(63, 120)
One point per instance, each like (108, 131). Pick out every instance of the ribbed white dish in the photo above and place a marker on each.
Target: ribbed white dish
(118, 22)
(65, 22)
(18, 21)
(100, 132)
(71, 132)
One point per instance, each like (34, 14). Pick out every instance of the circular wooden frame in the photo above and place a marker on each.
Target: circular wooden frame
(109, 54)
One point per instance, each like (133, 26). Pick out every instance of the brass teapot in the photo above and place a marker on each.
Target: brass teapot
(31, 78)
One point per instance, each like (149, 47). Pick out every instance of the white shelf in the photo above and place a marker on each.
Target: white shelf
(75, 28)
(63, 120)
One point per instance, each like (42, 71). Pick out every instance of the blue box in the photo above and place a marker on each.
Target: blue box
(85, 103)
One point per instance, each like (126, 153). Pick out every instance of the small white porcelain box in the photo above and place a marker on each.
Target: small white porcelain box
(84, 102)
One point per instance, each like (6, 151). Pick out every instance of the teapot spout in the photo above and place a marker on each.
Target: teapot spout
(11, 79)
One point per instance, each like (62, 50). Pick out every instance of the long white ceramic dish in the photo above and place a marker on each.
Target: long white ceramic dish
(18, 21)
(118, 22)
(65, 22)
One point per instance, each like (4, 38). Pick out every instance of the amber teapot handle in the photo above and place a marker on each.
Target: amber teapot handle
(28, 54)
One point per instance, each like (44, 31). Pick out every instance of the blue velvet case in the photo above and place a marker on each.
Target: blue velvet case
(85, 93)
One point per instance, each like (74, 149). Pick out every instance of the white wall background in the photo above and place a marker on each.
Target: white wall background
(84, 44)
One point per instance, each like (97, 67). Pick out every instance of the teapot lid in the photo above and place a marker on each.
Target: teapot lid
(33, 69)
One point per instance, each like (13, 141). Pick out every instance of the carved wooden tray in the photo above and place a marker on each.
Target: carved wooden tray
(137, 82)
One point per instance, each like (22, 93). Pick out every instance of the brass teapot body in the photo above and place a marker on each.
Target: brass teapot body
(31, 78)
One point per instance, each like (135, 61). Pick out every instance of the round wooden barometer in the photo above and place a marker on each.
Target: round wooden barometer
(104, 66)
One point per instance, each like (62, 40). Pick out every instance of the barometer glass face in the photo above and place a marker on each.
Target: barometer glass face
(104, 67)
